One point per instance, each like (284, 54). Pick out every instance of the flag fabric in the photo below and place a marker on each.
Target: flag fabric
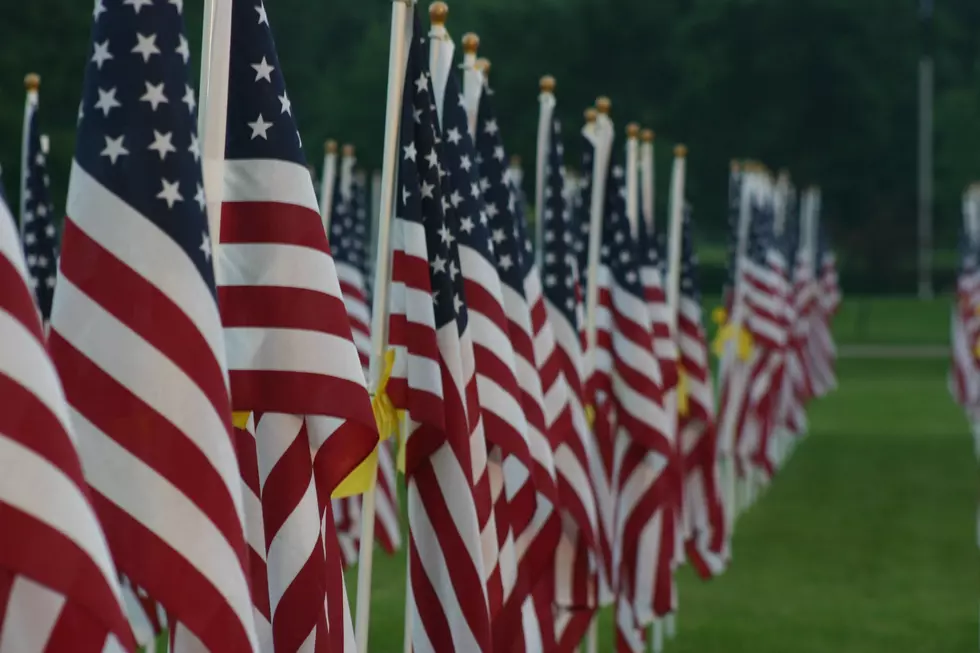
(291, 356)
(136, 332)
(823, 350)
(39, 233)
(706, 540)
(348, 241)
(798, 386)
(652, 246)
(518, 460)
(58, 584)
(530, 333)
(578, 555)
(964, 378)
(429, 324)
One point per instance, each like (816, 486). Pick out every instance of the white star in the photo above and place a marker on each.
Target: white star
(31, 260)
(179, 4)
(114, 148)
(550, 280)
(29, 239)
(32, 281)
(432, 158)
(42, 210)
(483, 218)
(570, 303)
(498, 154)
(475, 189)
(260, 127)
(42, 261)
(453, 136)
(138, 4)
(422, 84)
(206, 246)
(146, 45)
(81, 113)
(263, 17)
(455, 198)
(49, 282)
(263, 70)
(427, 189)
(631, 276)
(287, 106)
(498, 236)
(462, 101)
(417, 116)
(446, 236)
(195, 147)
(405, 195)
(101, 54)
(453, 270)
(484, 183)
(445, 203)
(438, 264)
(466, 224)
(619, 237)
(107, 101)
(183, 49)
(170, 193)
(464, 163)
(199, 197)
(99, 9)
(457, 303)
(188, 99)
(410, 151)
(490, 127)
(154, 95)
(492, 209)
(49, 231)
(549, 257)
(505, 262)
(162, 144)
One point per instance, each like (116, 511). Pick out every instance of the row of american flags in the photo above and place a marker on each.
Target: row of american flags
(196, 429)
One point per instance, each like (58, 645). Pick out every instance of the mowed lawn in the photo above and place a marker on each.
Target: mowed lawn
(865, 543)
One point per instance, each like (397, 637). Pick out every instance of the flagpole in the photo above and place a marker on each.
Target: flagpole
(397, 58)
(473, 78)
(601, 134)
(632, 174)
(327, 183)
(925, 165)
(546, 104)
(648, 188)
(213, 110)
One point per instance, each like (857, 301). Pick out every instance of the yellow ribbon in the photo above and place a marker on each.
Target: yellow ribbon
(240, 418)
(682, 404)
(976, 348)
(590, 415)
(727, 332)
(365, 474)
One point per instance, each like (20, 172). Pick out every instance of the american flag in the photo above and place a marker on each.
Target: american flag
(37, 222)
(530, 334)
(429, 332)
(823, 350)
(652, 269)
(517, 470)
(58, 585)
(348, 240)
(643, 448)
(578, 555)
(964, 379)
(291, 355)
(704, 517)
(136, 332)
(798, 388)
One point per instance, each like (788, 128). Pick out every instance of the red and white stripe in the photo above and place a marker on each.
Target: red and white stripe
(347, 510)
(706, 539)
(138, 341)
(822, 349)
(448, 598)
(798, 387)
(292, 362)
(58, 586)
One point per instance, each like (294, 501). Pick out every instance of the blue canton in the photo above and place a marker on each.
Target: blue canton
(137, 130)
(260, 115)
(40, 234)
(560, 270)
(420, 194)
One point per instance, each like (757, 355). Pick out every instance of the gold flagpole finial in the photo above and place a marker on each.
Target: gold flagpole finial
(32, 81)
(438, 11)
(547, 84)
(591, 114)
(647, 135)
(348, 150)
(330, 147)
(632, 130)
(680, 151)
(603, 104)
(515, 161)
(471, 43)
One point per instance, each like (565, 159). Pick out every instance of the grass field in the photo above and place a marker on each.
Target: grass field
(864, 544)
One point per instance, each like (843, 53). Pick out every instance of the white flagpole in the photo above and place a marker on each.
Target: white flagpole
(32, 81)
(473, 79)
(327, 183)
(632, 177)
(441, 50)
(648, 176)
(401, 28)
(601, 134)
(546, 102)
(213, 110)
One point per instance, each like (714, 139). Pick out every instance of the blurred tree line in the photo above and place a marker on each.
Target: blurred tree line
(825, 88)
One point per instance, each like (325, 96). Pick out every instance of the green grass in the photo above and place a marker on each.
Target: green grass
(864, 544)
